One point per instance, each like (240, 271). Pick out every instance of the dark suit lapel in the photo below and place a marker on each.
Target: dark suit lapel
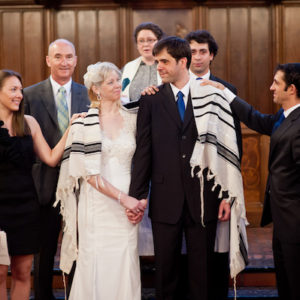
(282, 129)
(170, 104)
(48, 99)
(75, 94)
(189, 114)
(212, 77)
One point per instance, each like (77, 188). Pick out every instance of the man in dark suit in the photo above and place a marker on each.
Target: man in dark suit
(204, 49)
(41, 101)
(282, 198)
(165, 141)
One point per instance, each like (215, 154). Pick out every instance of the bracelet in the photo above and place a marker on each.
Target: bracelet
(119, 197)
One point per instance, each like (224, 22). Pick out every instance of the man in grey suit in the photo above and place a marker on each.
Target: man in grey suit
(42, 101)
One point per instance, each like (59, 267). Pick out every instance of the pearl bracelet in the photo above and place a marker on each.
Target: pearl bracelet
(119, 197)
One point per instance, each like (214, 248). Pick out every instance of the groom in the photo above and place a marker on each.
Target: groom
(166, 136)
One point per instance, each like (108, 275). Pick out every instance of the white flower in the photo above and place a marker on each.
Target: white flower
(92, 75)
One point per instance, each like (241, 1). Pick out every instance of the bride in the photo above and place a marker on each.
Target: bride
(92, 189)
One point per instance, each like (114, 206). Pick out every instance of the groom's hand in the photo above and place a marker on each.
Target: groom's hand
(134, 217)
(224, 211)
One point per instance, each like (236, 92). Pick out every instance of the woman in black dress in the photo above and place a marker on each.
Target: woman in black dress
(20, 140)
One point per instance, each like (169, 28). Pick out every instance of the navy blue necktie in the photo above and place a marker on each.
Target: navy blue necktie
(199, 78)
(180, 105)
(278, 122)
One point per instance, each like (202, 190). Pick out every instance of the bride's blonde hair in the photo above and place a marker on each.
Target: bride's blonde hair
(95, 76)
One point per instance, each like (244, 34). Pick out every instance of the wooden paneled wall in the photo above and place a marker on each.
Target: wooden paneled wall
(253, 36)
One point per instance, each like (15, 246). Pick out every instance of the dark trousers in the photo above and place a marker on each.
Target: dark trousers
(287, 268)
(44, 261)
(167, 246)
(221, 275)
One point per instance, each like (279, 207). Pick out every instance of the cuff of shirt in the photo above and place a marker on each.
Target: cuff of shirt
(229, 95)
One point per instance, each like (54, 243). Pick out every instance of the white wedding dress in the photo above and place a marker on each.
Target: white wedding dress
(108, 262)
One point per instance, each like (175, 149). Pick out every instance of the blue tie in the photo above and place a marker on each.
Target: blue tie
(278, 122)
(199, 78)
(180, 105)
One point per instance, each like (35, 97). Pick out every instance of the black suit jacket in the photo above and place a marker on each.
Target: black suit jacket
(40, 103)
(282, 201)
(237, 123)
(164, 149)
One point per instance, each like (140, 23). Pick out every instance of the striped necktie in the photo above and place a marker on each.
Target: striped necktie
(62, 110)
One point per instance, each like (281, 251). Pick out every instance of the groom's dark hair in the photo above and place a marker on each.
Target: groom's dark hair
(176, 47)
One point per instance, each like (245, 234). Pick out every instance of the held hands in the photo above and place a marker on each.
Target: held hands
(136, 215)
(131, 203)
(224, 211)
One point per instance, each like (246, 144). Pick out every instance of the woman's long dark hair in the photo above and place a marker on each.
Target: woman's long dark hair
(19, 124)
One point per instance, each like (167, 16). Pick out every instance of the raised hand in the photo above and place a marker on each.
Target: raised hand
(150, 90)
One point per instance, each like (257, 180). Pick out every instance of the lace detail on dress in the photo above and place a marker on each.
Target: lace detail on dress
(121, 148)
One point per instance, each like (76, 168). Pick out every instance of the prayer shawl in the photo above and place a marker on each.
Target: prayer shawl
(216, 149)
(81, 158)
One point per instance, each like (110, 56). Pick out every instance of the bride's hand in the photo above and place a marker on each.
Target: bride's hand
(132, 204)
(135, 217)
(143, 203)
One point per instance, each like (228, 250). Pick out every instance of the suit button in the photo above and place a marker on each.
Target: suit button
(183, 155)
(183, 137)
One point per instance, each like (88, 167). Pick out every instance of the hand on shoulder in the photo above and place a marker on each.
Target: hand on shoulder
(150, 90)
(215, 84)
(81, 115)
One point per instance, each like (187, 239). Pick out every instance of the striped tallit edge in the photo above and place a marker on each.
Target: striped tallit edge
(221, 149)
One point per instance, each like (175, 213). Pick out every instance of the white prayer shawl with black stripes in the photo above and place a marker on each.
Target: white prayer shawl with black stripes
(81, 159)
(216, 149)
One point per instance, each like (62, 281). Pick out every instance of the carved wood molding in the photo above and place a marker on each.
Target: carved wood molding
(148, 3)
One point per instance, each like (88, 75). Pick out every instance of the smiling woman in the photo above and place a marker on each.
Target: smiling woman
(11, 93)
(10, 99)
(100, 150)
(20, 140)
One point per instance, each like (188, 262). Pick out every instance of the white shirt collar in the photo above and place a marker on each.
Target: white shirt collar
(291, 109)
(56, 86)
(194, 76)
(185, 90)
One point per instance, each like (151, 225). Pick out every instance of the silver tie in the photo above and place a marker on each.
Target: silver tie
(62, 110)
